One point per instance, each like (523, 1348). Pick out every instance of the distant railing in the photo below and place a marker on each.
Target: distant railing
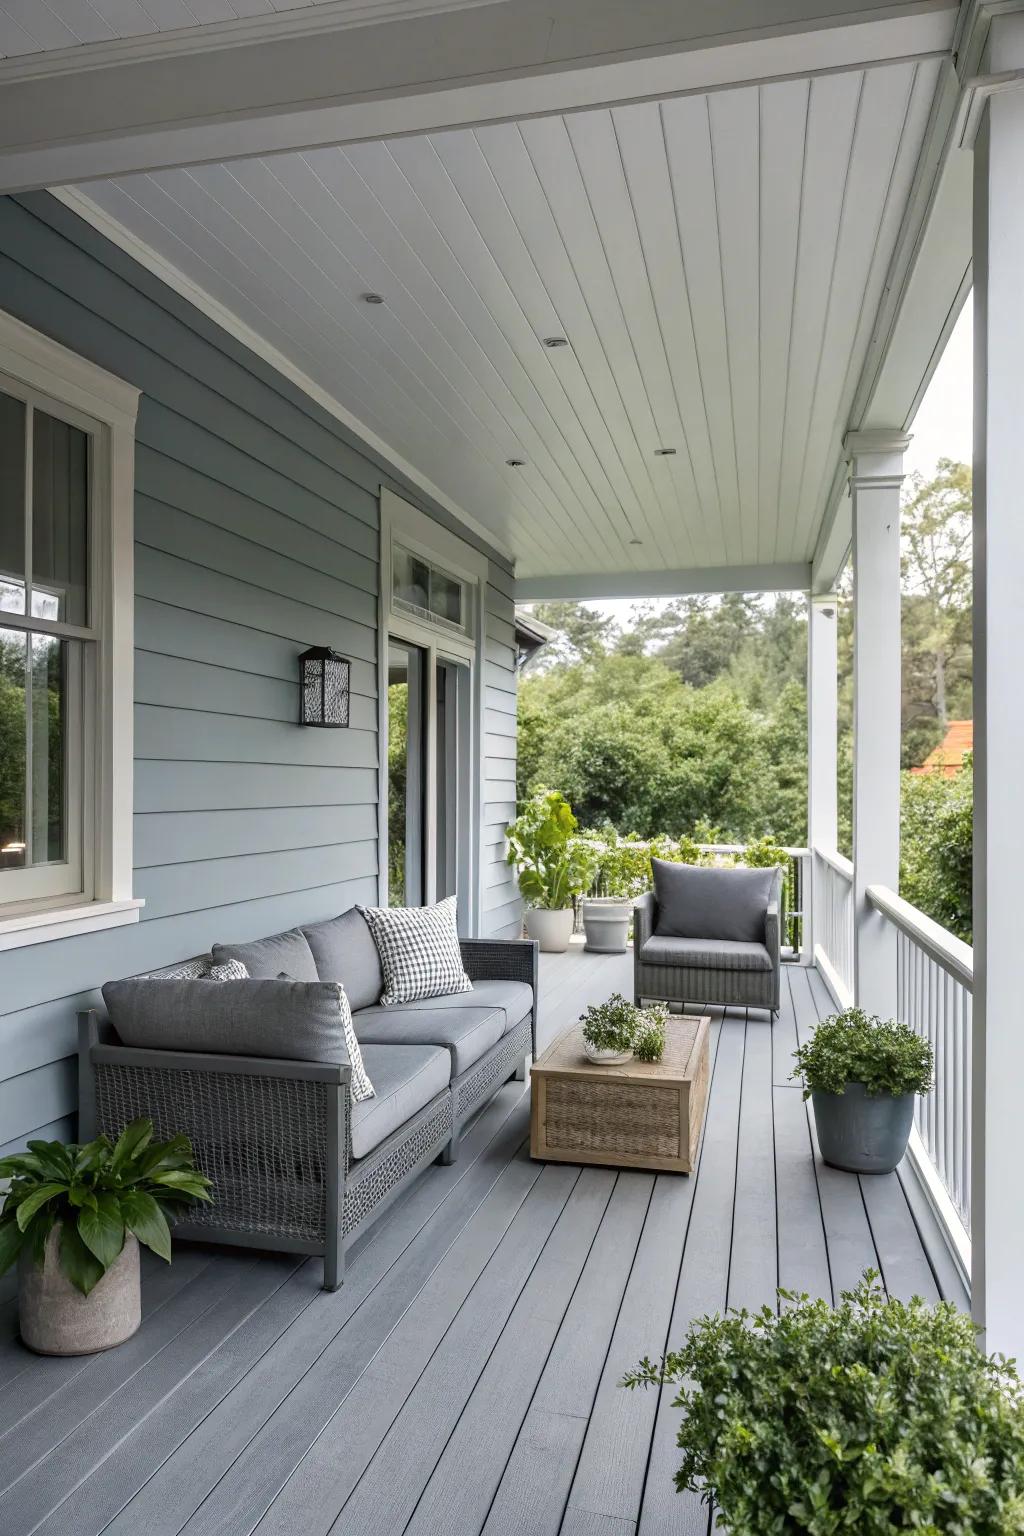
(833, 920)
(934, 994)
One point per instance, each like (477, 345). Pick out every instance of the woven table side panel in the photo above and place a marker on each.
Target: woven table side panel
(261, 1140)
(677, 984)
(479, 1080)
(585, 1116)
(373, 1178)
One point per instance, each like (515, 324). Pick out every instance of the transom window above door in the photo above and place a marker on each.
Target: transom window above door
(427, 591)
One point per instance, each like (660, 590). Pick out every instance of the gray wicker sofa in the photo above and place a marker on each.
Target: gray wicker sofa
(296, 1163)
(709, 936)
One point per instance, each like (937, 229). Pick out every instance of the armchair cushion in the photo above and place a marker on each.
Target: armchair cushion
(705, 954)
(289, 1020)
(344, 950)
(695, 903)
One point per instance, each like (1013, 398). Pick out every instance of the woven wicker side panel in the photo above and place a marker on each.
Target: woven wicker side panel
(262, 1140)
(492, 1070)
(500, 960)
(373, 1178)
(678, 984)
(613, 1118)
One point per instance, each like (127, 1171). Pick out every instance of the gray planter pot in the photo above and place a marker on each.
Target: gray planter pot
(606, 921)
(56, 1319)
(861, 1133)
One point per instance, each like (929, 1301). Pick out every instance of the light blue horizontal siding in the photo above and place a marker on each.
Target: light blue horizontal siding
(257, 535)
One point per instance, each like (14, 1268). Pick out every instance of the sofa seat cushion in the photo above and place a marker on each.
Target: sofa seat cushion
(696, 903)
(515, 998)
(705, 954)
(344, 951)
(265, 959)
(405, 1078)
(467, 1033)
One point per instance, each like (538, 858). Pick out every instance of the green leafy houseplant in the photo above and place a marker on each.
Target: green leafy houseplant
(618, 1025)
(876, 1417)
(98, 1192)
(554, 867)
(887, 1057)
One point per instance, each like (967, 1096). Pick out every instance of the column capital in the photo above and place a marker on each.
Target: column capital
(825, 603)
(876, 440)
(875, 457)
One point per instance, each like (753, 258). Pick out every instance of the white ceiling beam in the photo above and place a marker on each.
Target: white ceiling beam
(91, 115)
(795, 577)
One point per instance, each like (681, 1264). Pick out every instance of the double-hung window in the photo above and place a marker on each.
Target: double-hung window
(66, 453)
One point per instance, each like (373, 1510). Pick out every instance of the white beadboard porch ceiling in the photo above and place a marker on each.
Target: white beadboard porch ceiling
(715, 262)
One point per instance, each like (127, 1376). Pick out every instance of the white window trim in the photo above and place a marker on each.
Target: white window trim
(111, 405)
(403, 524)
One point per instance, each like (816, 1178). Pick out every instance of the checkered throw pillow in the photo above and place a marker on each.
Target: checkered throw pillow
(419, 951)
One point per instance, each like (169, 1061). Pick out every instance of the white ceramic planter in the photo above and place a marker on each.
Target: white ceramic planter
(607, 1058)
(56, 1319)
(552, 930)
(606, 920)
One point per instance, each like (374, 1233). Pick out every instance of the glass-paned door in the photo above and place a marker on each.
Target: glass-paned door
(407, 717)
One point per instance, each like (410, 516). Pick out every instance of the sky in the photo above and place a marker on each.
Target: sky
(941, 429)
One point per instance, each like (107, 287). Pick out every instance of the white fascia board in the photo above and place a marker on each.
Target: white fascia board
(480, 64)
(597, 585)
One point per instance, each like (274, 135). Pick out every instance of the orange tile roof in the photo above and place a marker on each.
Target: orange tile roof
(948, 756)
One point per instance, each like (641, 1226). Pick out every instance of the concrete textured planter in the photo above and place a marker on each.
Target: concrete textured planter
(606, 920)
(552, 930)
(56, 1319)
(861, 1133)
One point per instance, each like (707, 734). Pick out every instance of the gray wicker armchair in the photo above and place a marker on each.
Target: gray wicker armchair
(275, 1135)
(676, 969)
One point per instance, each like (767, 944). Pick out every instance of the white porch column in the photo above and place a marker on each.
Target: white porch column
(822, 731)
(997, 1236)
(876, 474)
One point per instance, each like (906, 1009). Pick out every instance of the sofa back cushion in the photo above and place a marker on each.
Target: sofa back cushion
(290, 1020)
(695, 903)
(343, 950)
(265, 959)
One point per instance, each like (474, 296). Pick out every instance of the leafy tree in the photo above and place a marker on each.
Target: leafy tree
(935, 526)
(582, 634)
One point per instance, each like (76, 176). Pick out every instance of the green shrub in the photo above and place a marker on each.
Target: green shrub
(554, 867)
(98, 1192)
(873, 1418)
(619, 1025)
(851, 1047)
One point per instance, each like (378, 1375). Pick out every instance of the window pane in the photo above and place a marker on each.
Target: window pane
(60, 505)
(49, 709)
(411, 581)
(12, 505)
(445, 596)
(13, 738)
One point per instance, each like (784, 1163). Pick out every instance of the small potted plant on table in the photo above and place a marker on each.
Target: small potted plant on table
(874, 1417)
(861, 1075)
(617, 1030)
(554, 867)
(74, 1216)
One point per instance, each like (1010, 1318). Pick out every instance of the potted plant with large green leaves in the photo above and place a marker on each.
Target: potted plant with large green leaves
(869, 1418)
(73, 1218)
(862, 1074)
(554, 867)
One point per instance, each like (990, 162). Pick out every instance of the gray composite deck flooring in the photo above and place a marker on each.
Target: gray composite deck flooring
(465, 1378)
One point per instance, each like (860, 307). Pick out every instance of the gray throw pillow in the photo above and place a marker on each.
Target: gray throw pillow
(265, 959)
(344, 951)
(695, 903)
(286, 1020)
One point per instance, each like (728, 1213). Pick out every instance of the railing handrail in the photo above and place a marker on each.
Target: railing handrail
(836, 861)
(954, 956)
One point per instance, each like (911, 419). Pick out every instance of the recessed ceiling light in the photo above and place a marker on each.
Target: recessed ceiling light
(515, 463)
(555, 341)
(664, 453)
(636, 541)
(373, 298)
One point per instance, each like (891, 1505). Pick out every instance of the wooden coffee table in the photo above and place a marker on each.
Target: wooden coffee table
(639, 1115)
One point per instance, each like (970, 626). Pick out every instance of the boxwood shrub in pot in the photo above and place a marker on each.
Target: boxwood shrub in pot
(875, 1417)
(73, 1218)
(861, 1074)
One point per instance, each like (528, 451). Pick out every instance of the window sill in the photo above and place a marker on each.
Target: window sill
(47, 923)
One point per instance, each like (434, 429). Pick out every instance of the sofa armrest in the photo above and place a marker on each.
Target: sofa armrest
(771, 932)
(505, 960)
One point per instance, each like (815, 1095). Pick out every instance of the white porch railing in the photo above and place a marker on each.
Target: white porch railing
(833, 921)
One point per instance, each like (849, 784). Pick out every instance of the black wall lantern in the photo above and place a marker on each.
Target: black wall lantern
(323, 687)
